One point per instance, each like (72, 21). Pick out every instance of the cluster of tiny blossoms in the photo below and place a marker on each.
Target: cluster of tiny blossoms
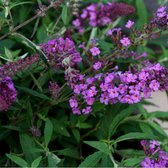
(102, 14)
(61, 53)
(12, 68)
(161, 18)
(155, 156)
(148, 32)
(54, 89)
(124, 87)
(8, 93)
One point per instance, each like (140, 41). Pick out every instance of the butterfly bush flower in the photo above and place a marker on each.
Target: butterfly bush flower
(8, 93)
(155, 156)
(54, 89)
(12, 68)
(124, 87)
(95, 51)
(102, 14)
(125, 41)
(97, 65)
(129, 24)
(61, 52)
(161, 18)
(73, 103)
(154, 85)
(76, 23)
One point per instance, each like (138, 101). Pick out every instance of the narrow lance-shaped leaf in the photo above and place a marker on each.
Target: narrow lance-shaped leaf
(36, 162)
(101, 146)
(33, 93)
(19, 161)
(65, 15)
(29, 148)
(92, 160)
(37, 48)
(118, 119)
(48, 131)
(142, 13)
(134, 135)
(53, 160)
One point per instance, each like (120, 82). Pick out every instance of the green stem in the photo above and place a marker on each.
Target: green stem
(54, 4)
(113, 161)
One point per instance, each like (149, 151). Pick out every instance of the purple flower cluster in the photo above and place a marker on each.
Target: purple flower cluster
(95, 51)
(8, 93)
(125, 42)
(12, 68)
(156, 157)
(102, 14)
(129, 24)
(124, 87)
(61, 53)
(36, 132)
(54, 89)
(116, 35)
(161, 18)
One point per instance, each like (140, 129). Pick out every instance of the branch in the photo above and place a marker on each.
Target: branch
(40, 13)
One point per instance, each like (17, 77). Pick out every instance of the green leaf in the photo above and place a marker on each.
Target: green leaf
(106, 161)
(36, 82)
(134, 135)
(37, 48)
(20, 3)
(118, 119)
(146, 128)
(60, 128)
(142, 13)
(158, 128)
(101, 146)
(76, 134)
(85, 125)
(36, 162)
(130, 153)
(158, 114)
(29, 148)
(53, 160)
(35, 27)
(132, 161)
(19, 161)
(92, 160)
(33, 93)
(65, 15)
(11, 127)
(48, 131)
(105, 46)
(71, 152)
(92, 36)
(8, 54)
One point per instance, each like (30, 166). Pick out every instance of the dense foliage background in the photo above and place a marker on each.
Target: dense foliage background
(40, 131)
